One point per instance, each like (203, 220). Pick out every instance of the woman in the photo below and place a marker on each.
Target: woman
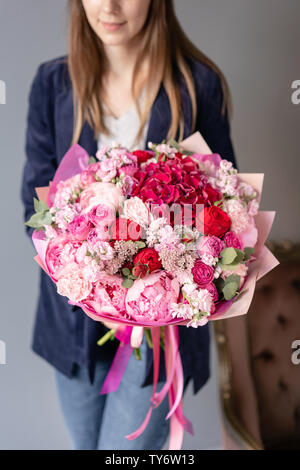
(132, 74)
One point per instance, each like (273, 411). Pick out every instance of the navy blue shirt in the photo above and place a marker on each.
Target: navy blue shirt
(63, 334)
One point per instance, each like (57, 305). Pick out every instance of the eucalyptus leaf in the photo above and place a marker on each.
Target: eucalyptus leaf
(228, 255)
(248, 250)
(127, 283)
(229, 267)
(126, 271)
(229, 290)
(233, 278)
(39, 205)
(239, 256)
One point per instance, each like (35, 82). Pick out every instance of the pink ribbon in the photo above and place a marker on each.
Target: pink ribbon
(173, 385)
(120, 361)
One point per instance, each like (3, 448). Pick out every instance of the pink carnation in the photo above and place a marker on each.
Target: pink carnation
(72, 284)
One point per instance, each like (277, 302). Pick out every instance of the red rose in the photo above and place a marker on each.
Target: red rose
(216, 221)
(148, 257)
(142, 155)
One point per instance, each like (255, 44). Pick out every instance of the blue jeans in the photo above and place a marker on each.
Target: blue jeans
(99, 421)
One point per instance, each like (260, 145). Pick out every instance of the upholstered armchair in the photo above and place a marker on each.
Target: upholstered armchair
(259, 383)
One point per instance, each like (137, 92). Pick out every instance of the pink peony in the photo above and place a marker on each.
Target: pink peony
(203, 274)
(210, 245)
(101, 193)
(53, 260)
(150, 298)
(79, 227)
(108, 296)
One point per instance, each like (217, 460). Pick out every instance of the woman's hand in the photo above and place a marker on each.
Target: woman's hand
(110, 325)
(113, 325)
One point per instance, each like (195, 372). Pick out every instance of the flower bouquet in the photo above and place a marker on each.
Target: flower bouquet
(150, 240)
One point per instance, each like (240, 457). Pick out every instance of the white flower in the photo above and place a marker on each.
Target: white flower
(136, 210)
(209, 259)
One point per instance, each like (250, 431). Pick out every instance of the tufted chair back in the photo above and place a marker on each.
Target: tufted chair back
(259, 383)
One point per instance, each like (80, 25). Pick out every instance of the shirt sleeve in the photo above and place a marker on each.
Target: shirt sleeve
(40, 164)
(215, 127)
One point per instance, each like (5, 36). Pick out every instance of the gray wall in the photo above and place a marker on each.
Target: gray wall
(255, 42)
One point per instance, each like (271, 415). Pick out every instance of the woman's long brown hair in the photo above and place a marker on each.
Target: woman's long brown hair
(163, 43)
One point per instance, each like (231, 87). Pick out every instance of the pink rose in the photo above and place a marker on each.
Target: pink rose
(101, 215)
(211, 245)
(86, 177)
(203, 274)
(79, 227)
(233, 240)
(150, 298)
(72, 284)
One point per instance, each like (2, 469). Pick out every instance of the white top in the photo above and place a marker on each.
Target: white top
(124, 129)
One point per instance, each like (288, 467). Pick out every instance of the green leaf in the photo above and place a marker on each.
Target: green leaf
(228, 255)
(228, 267)
(127, 283)
(229, 290)
(39, 219)
(233, 278)
(248, 250)
(141, 244)
(126, 271)
(39, 205)
(92, 160)
(216, 203)
(231, 286)
(239, 255)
